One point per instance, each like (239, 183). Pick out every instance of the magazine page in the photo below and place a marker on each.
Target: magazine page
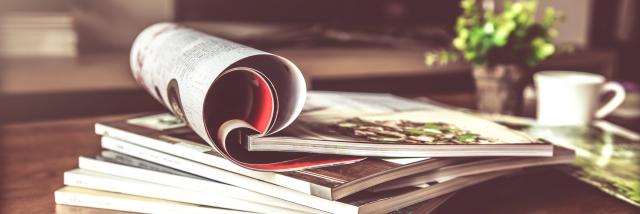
(606, 160)
(334, 103)
(387, 118)
(208, 81)
(607, 156)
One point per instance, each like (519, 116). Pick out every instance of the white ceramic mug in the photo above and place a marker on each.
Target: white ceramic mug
(569, 98)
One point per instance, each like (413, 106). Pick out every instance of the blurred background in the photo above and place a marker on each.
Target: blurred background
(69, 58)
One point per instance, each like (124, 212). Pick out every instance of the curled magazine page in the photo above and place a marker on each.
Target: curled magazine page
(207, 81)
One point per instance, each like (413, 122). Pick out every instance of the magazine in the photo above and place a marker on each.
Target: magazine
(76, 196)
(561, 156)
(331, 183)
(605, 160)
(113, 163)
(369, 124)
(607, 156)
(217, 86)
(105, 182)
(420, 133)
(239, 100)
(136, 181)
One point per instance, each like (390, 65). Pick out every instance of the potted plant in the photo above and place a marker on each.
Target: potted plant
(502, 46)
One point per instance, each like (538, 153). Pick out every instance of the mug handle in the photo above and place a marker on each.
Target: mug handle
(617, 99)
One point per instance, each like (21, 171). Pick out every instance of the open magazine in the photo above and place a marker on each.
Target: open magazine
(389, 126)
(218, 87)
(239, 100)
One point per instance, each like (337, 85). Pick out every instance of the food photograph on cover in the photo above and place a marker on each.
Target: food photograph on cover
(333, 106)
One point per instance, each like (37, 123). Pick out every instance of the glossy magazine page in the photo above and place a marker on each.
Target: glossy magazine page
(218, 87)
(607, 156)
(391, 126)
(606, 160)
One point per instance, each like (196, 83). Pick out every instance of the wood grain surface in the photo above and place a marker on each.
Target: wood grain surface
(33, 157)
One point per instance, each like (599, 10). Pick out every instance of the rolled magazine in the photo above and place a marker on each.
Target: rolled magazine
(221, 89)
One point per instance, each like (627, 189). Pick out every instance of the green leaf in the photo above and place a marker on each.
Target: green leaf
(500, 38)
(470, 56)
(430, 59)
(549, 18)
(545, 50)
(480, 32)
(488, 28)
(516, 8)
(467, 4)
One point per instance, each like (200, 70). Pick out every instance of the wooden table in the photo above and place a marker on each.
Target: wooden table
(34, 156)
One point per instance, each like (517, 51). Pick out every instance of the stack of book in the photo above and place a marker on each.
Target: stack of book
(245, 136)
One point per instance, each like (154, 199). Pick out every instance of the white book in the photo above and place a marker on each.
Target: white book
(364, 202)
(100, 181)
(109, 162)
(76, 196)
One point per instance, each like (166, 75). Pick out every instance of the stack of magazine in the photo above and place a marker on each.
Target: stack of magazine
(245, 136)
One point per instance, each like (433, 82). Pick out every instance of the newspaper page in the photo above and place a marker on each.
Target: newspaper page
(217, 86)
